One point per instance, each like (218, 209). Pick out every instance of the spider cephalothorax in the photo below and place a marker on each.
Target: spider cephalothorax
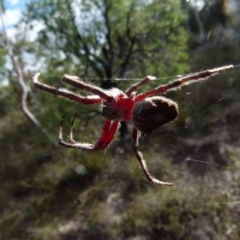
(146, 111)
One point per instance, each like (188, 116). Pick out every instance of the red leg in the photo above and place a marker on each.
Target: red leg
(134, 87)
(66, 93)
(107, 135)
(114, 127)
(76, 82)
(104, 140)
(182, 82)
(142, 163)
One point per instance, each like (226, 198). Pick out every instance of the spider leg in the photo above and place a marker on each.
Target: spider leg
(134, 87)
(183, 81)
(76, 82)
(71, 140)
(142, 163)
(104, 140)
(108, 135)
(66, 93)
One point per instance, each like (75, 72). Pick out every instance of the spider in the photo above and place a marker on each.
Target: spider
(145, 111)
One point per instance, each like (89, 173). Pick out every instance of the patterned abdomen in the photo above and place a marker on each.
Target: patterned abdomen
(152, 113)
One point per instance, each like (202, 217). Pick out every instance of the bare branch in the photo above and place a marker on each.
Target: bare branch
(25, 88)
(86, 49)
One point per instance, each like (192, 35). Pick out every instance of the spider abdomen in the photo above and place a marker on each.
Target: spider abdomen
(152, 113)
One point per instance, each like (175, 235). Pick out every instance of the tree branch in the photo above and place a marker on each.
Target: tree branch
(85, 45)
(25, 88)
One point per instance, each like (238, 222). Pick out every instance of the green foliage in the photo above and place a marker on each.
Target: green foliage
(109, 39)
(2, 60)
(50, 192)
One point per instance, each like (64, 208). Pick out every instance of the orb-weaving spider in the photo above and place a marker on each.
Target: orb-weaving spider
(145, 111)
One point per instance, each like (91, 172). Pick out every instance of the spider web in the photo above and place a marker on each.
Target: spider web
(217, 173)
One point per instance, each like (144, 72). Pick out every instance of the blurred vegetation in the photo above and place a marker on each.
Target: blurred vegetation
(50, 192)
